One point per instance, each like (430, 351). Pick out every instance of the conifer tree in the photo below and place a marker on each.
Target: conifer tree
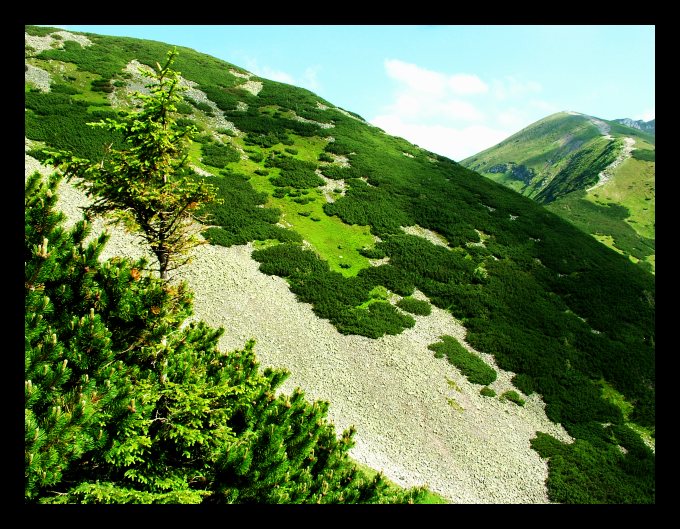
(147, 186)
(126, 402)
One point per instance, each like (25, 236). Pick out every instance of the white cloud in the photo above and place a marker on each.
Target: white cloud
(463, 84)
(456, 114)
(510, 87)
(424, 94)
(268, 73)
(416, 78)
(436, 84)
(454, 143)
(461, 110)
(414, 106)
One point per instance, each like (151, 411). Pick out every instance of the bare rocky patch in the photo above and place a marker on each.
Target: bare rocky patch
(254, 87)
(38, 77)
(432, 236)
(236, 73)
(317, 123)
(137, 83)
(330, 186)
(48, 42)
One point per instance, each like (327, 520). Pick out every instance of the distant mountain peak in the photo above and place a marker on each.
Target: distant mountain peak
(645, 126)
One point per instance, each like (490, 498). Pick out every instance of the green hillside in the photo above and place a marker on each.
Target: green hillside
(326, 197)
(557, 162)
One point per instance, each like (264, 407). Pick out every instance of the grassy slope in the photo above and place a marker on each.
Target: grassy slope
(630, 231)
(543, 147)
(538, 269)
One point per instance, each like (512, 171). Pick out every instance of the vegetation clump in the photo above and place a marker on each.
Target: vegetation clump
(415, 306)
(219, 155)
(512, 396)
(486, 391)
(473, 367)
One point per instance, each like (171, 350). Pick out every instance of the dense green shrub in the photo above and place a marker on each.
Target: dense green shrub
(206, 108)
(63, 88)
(472, 366)
(188, 122)
(486, 391)
(646, 155)
(512, 396)
(391, 277)
(415, 306)
(61, 122)
(336, 172)
(372, 253)
(219, 154)
(238, 220)
(40, 31)
(295, 173)
(102, 85)
(524, 383)
(593, 473)
(226, 99)
(257, 157)
(333, 296)
(184, 108)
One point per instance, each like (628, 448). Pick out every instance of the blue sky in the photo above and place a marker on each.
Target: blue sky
(454, 90)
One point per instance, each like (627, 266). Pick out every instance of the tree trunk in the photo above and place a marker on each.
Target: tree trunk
(163, 256)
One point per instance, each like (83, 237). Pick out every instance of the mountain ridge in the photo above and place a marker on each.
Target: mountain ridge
(595, 173)
(645, 126)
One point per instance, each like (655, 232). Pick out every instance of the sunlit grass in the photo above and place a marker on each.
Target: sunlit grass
(429, 497)
(611, 395)
(333, 240)
(632, 186)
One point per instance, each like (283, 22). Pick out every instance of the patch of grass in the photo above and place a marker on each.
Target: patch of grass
(610, 394)
(454, 404)
(325, 233)
(428, 497)
(472, 366)
(376, 294)
(486, 391)
(608, 221)
(512, 396)
(415, 306)
(632, 184)
(452, 384)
